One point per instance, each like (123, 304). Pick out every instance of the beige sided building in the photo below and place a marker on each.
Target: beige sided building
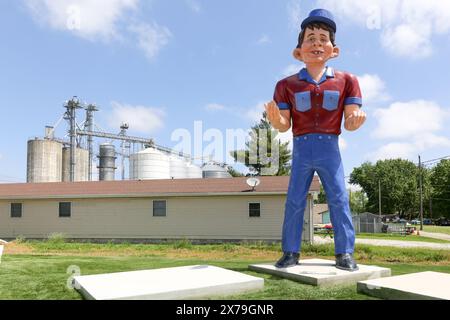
(196, 209)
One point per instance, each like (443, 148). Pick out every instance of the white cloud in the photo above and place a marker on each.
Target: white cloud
(403, 120)
(392, 150)
(151, 38)
(215, 107)
(290, 70)
(429, 140)
(255, 113)
(286, 137)
(264, 39)
(409, 150)
(414, 125)
(407, 40)
(104, 20)
(373, 89)
(140, 118)
(342, 143)
(85, 18)
(295, 14)
(407, 26)
(194, 5)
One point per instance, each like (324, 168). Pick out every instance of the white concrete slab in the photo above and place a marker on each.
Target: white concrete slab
(414, 286)
(321, 272)
(189, 282)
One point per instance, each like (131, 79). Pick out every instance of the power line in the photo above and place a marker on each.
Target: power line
(435, 160)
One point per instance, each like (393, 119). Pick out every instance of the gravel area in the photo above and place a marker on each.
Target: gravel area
(391, 243)
(435, 235)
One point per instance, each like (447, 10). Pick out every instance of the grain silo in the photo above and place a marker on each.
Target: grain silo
(215, 171)
(149, 164)
(107, 162)
(81, 164)
(193, 171)
(44, 161)
(178, 168)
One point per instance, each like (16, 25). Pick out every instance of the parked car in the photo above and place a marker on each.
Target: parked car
(415, 221)
(442, 222)
(427, 222)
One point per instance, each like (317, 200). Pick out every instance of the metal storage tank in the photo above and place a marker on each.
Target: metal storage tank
(81, 164)
(44, 161)
(215, 171)
(107, 162)
(178, 169)
(193, 171)
(149, 164)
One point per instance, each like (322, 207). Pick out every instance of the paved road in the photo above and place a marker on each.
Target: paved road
(391, 243)
(435, 235)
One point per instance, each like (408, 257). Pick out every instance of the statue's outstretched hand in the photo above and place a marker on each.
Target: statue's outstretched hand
(355, 120)
(273, 113)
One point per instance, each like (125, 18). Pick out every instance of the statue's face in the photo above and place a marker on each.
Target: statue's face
(316, 47)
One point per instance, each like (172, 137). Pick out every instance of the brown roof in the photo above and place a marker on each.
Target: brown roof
(269, 185)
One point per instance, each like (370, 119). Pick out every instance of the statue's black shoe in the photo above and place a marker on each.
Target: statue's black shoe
(346, 262)
(288, 259)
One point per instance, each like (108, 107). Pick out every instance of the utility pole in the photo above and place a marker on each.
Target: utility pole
(350, 198)
(362, 202)
(431, 208)
(421, 194)
(379, 197)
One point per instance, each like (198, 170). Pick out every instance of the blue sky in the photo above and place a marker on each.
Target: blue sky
(163, 65)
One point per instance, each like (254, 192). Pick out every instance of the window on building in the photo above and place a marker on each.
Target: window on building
(65, 209)
(254, 209)
(16, 210)
(159, 208)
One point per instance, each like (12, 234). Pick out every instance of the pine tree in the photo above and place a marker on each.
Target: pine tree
(264, 153)
(234, 173)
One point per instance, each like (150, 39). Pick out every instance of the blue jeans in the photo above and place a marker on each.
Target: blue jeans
(317, 153)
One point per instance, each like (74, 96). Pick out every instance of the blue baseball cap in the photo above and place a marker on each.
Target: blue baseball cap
(320, 15)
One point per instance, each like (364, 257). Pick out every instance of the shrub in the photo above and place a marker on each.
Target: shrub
(20, 239)
(182, 244)
(56, 238)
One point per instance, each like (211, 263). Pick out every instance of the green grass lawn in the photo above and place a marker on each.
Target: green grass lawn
(437, 229)
(43, 273)
(384, 236)
(45, 277)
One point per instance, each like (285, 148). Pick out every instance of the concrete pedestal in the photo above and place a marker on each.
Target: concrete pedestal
(190, 282)
(320, 272)
(415, 286)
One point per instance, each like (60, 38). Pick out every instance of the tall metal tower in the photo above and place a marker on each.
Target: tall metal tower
(89, 126)
(70, 115)
(124, 144)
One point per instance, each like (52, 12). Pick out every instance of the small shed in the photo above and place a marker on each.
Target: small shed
(321, 213)
(367, 223)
